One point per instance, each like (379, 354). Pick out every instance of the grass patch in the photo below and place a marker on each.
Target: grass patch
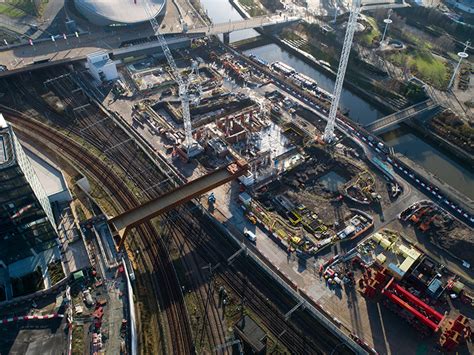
(291, 36)
(424, 65)
(78, 340)
(370, 35)
(318, 53)
(252, 8)
(20, 8)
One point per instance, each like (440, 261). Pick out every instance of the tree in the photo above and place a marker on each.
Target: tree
(445, 43)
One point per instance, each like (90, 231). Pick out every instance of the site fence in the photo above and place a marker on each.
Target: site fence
(131, 310)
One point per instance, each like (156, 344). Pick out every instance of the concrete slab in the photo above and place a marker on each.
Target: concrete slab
(50, 177)
(33, 337)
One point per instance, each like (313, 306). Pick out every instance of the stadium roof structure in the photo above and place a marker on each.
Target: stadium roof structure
(118, 12)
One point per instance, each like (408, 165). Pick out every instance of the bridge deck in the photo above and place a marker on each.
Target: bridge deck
(254, 22)
(25, 57)
(177, 196)
(400, 116)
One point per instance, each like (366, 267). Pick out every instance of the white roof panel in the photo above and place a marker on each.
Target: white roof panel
(120, 11)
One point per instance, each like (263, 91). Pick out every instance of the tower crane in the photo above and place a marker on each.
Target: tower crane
(356, 8)
(192, 147)
(341, 71)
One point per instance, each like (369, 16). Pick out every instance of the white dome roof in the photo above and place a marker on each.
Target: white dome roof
(107, 12)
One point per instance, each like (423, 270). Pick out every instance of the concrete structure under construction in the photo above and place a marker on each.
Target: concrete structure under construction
(101, 67)
(119, 12)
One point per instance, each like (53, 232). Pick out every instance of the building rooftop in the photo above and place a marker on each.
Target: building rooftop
(3, 153)
(5, 142)
(50, 178)
(389, 251)
(119, 11)
(3, 122)
(251, 333)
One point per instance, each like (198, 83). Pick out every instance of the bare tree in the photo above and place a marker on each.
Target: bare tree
(445, 43)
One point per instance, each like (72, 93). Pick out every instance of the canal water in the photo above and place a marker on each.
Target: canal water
(459, 176)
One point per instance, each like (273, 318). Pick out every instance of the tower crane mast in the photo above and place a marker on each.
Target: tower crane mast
(341, 71)
(183, 85)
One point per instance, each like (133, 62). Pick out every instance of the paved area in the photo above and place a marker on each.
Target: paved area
(91, 39)
(32, 25)
(46, 337)
(76, 48)
(50, 178)
(74, 254)
(373, 323)
(111, 290)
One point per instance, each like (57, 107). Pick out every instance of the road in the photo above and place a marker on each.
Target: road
(415, 187)
(78, 47)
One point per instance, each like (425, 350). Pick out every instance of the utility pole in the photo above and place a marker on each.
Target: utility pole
(328, 136)
(462, 55)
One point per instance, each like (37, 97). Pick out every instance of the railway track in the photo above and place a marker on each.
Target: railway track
(164, 284)
(145, 179)
(125, 156)
(302, 334)
(264, 300)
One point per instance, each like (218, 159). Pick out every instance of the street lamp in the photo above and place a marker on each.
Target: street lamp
(462, 55)
(387, 22)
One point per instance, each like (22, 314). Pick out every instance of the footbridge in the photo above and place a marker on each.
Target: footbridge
(274, 22)
(65, 49)
(389, 121)
(124, 222)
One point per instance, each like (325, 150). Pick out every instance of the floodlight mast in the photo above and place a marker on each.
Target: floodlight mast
(183, 85)
(328, 136)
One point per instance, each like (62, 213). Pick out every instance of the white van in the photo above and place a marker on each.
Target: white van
(250, 236)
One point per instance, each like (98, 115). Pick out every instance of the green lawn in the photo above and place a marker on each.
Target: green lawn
(78, 345)
(20, 8)
(425, 66)
(290, 35)
(253, 8)
(369, 36)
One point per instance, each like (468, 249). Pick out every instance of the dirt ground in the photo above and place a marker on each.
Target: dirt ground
(459, 241)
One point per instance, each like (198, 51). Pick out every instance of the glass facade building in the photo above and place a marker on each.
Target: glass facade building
(27, 224)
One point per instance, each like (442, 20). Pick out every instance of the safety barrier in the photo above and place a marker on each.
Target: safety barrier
(131, 311)
(32, 317)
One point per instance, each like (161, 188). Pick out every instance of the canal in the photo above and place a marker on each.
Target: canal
(423, 153)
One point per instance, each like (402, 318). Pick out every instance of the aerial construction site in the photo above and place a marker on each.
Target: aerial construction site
(167, 187)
